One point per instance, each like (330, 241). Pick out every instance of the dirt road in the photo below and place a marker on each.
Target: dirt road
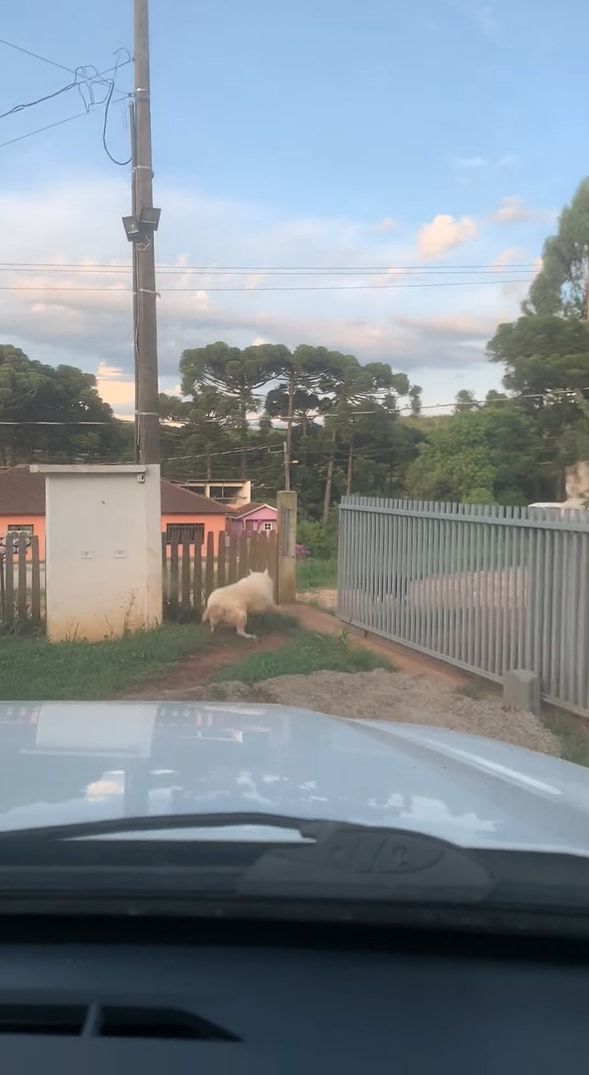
(407, 699)
(420, 691)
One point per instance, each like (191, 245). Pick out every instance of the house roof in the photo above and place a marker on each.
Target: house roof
(249, 509)
(179, 501)
(23, 493)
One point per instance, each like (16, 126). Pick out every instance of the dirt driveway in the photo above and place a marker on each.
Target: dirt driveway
(407, 699)
(421, 691)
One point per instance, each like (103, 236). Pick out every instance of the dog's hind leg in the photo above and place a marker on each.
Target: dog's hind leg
(240, 623)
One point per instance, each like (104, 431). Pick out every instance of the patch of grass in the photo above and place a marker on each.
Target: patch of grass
(316, 575)
(572, 731)
(271, 623)
(307, 653)
(35, 670)
(471, 690)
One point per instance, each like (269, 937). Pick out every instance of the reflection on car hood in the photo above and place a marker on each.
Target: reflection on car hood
(81, 761)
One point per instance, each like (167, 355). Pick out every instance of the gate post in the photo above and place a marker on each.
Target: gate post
(286, 576)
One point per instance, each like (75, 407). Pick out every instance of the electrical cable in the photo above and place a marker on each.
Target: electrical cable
(255, 291)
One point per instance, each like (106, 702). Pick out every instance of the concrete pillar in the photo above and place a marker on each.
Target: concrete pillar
(521, 690)
(287, 536)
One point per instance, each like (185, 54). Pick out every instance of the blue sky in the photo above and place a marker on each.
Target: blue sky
(384, 134)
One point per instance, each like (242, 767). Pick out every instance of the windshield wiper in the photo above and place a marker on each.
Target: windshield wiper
(334, 860)
(73, 830)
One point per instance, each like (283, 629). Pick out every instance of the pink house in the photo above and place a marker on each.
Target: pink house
(252, 518)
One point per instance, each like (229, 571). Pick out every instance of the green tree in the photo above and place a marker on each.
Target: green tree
(352, 387)
(493, 454)
(300, 374)
(561, 287)
(236, 374)
(32, 393)
(465, 401)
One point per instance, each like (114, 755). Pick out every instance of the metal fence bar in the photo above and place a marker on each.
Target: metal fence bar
(484, 587)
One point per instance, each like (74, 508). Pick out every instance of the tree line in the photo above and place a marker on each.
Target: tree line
(309, 417)
(329, 425)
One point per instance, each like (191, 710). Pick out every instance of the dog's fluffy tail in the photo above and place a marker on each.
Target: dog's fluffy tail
(205, 616)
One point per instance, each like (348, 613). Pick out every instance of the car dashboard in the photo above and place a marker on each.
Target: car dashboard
(231, 997)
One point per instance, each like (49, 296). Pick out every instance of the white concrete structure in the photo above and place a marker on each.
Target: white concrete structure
(103, 551)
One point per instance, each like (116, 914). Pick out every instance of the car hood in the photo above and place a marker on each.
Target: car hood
(80, 761)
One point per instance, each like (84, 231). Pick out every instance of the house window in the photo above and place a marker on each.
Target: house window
(176, 533)
(268, 525)
(17, 529)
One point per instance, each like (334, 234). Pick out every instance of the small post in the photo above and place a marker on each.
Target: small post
(521, 690)
(286, 560)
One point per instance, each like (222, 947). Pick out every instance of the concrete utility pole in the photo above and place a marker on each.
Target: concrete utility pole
(286, 456)
(145, 328)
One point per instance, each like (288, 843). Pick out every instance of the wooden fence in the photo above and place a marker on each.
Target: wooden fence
(192, 572)
(20, 581)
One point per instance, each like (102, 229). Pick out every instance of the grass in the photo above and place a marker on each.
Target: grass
(572, 731)
(35, 670)
(316, 575)
(304, 654)
(473, 690)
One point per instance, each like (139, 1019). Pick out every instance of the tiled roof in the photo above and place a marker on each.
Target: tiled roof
(247, 509)
(23, 493)
(179, 501)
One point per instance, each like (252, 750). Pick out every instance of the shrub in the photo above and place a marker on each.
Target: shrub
(320, 540)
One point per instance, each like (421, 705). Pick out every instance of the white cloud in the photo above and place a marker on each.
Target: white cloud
(512, 255)
(471, 162)
(386, 225)
(477, 161)
(444, 233)
(116, 388)
(92, 328)
(513, 210)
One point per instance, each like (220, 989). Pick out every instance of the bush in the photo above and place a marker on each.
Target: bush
(321, 540)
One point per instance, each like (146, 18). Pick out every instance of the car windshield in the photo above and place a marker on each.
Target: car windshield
(276, 542)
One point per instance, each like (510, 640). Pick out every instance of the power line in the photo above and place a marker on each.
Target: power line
(35, 55)
(230, 451)
(180, 424)
(355, 268)
(81, 78)
(203, 270)
(118, 270)
(114, 160)
(47, 127)
(56, 422)
(86, 76)
(255, 291)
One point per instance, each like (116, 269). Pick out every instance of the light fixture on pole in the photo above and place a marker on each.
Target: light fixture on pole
(139, 228)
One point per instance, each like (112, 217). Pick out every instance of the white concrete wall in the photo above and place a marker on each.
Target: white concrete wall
(103, 558)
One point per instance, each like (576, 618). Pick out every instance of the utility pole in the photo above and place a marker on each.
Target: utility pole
(145, 327)
(286, 455)
(134, 277)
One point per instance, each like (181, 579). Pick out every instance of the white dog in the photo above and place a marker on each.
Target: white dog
(230, 605)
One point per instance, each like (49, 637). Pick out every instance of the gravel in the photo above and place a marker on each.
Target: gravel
(393, 696)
